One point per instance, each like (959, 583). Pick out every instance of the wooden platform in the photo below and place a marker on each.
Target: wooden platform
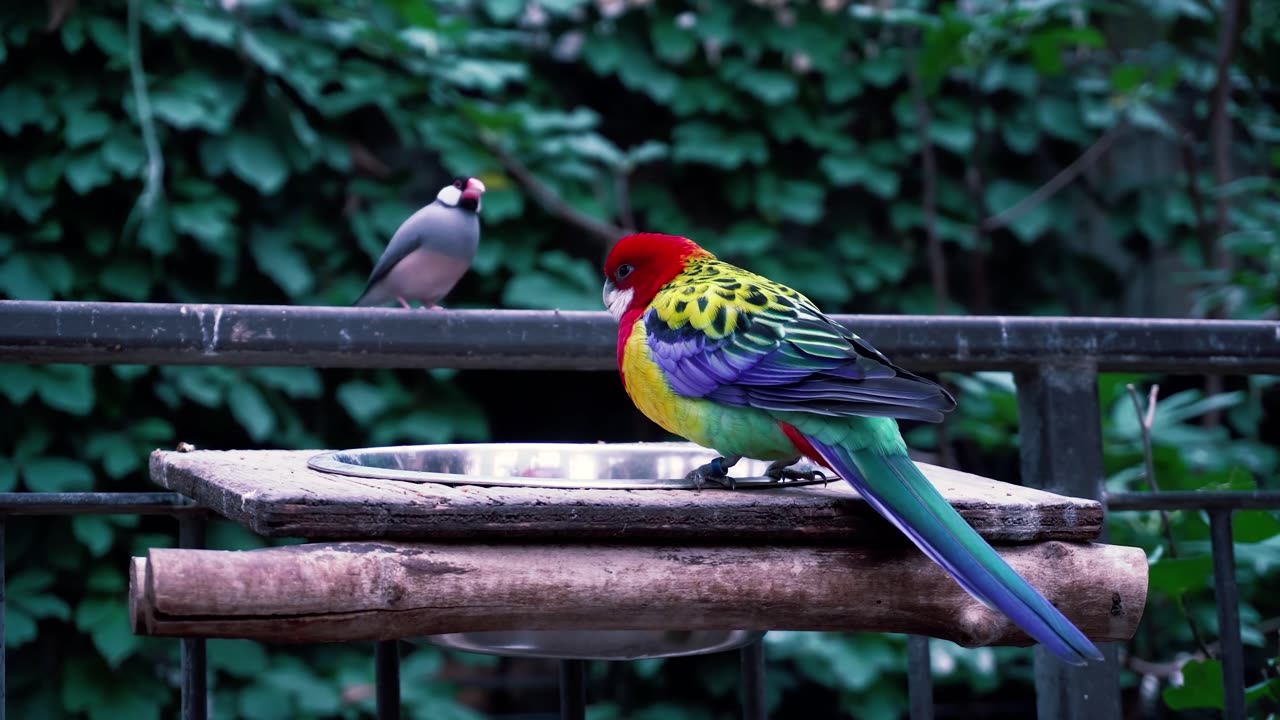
(274, 493)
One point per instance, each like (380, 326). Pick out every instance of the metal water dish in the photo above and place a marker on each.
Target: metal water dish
(597, 644)
(602, 466)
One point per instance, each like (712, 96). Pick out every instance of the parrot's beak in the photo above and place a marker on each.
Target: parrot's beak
(474, 189)
(617, 300)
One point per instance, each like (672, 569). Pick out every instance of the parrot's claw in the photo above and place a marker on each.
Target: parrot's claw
(716, 471)
(404, 304)
(781, 471)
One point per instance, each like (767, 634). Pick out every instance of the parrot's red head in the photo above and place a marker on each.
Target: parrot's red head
(463, 192)
(639, 265)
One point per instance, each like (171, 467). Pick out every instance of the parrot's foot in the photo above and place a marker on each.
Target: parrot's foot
(781, 471)
(432, 306)
(403, 303)
(716, 471)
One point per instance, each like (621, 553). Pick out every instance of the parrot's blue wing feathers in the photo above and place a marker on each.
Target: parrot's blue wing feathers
(780, 354)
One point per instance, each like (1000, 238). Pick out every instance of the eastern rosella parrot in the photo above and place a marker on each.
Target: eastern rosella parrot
(751, 368)
(431, 250)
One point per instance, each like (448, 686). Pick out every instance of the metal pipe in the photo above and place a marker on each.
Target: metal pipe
(1194, 500)
(195, 691)
(919, 677)
(1227, 595)
(573, 689)
(386, 658)
(96, 503)
(751, 658)
(231, 335)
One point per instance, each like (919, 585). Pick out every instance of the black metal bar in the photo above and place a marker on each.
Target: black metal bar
(1195, 500)
(195, 692)
(1227, 594)
(173, 334)
(573, 689)
(751, 663)
(386, 674)
(96, 503)
(1061, 434)
(919, 677)
(4, 649)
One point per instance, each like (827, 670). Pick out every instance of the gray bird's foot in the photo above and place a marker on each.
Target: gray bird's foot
(716, 471)
(432, 307)
(781, 471)
(403, 303)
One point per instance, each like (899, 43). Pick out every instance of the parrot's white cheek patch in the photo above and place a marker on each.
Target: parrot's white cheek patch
(449, 195)
(618, 301)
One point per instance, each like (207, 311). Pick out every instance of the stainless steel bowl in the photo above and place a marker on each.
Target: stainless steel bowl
(602, 466)
(597, 644)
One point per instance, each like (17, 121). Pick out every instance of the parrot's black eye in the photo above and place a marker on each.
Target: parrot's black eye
(460, 183)
(623, 271)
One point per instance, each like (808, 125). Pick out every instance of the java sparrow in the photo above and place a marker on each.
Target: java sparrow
(431, 250)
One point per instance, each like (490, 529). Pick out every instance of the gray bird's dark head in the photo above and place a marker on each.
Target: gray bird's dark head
(463, 193)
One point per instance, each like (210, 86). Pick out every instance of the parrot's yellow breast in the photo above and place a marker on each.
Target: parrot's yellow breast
(652, 394)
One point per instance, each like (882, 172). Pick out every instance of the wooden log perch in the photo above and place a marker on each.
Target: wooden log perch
(275, 494)
(349, 591)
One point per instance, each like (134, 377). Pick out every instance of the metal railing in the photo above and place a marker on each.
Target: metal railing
(1055, 362)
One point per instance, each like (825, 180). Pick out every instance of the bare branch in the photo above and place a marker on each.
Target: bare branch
(1146, 419)
(607, 233)
(1064, 178)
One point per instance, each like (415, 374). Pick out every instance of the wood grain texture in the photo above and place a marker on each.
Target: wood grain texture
(349, 591)
(275, 494)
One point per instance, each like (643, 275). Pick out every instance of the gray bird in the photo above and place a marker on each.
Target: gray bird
(431, 250)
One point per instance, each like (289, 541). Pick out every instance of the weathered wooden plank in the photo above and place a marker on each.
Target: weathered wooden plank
(351, 591)
(274, 493)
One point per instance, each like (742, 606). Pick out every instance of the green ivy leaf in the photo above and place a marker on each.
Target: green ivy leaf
(251, 410)
(258, 161)
(106, 620)
(281, 262)
(55, 474)
(94, 532)
(87, 171)
(86, 127)
(22, 106)
(1201, 687)
(1174, 576)
(19, 280)
(128, 279)
(68, 388)
(672, 43)
(362, 401)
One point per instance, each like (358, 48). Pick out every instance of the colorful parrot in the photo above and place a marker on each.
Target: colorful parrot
(431, 250)
(751, 368)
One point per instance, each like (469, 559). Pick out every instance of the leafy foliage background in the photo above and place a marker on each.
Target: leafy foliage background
(261, 151)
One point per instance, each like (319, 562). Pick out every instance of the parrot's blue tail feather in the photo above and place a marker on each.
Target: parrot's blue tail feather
(896, 488)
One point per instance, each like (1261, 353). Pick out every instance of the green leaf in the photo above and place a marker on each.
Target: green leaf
(882, 70)
(124, 153)
(1201, 687)
(258, 161)
(1174, 576)
(84, 128)
(362, 401)
(702, 142)
(251, 410)
(18, 382)
(87, 171)
(128, 279)
(55, 474)
(672, 43)
(1032, 222)
(22, 105)
(796, 200)
(108, 35)
(68, 388)
(19, 280)
(8, 474)
(280, 261)
(94, 532)
(296, 382)
(107, 622)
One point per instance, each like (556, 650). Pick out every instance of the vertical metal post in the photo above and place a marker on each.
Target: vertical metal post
(195, 695)
(1228, 596)
(573, 689)
(751, 658)
(386, 658)
(1061, 433)
(4, 650)
(919, 677)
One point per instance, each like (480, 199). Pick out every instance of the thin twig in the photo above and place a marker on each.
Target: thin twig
(552, 202)
(152, 188)
(1164, 669)
(1220, 128)
(1064, 178)
(1146, 419)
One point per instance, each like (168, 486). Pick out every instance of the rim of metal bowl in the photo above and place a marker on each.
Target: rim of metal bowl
(329, 462)
(595, 644)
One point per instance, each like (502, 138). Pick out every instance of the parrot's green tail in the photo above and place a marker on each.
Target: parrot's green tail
(896, 488)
